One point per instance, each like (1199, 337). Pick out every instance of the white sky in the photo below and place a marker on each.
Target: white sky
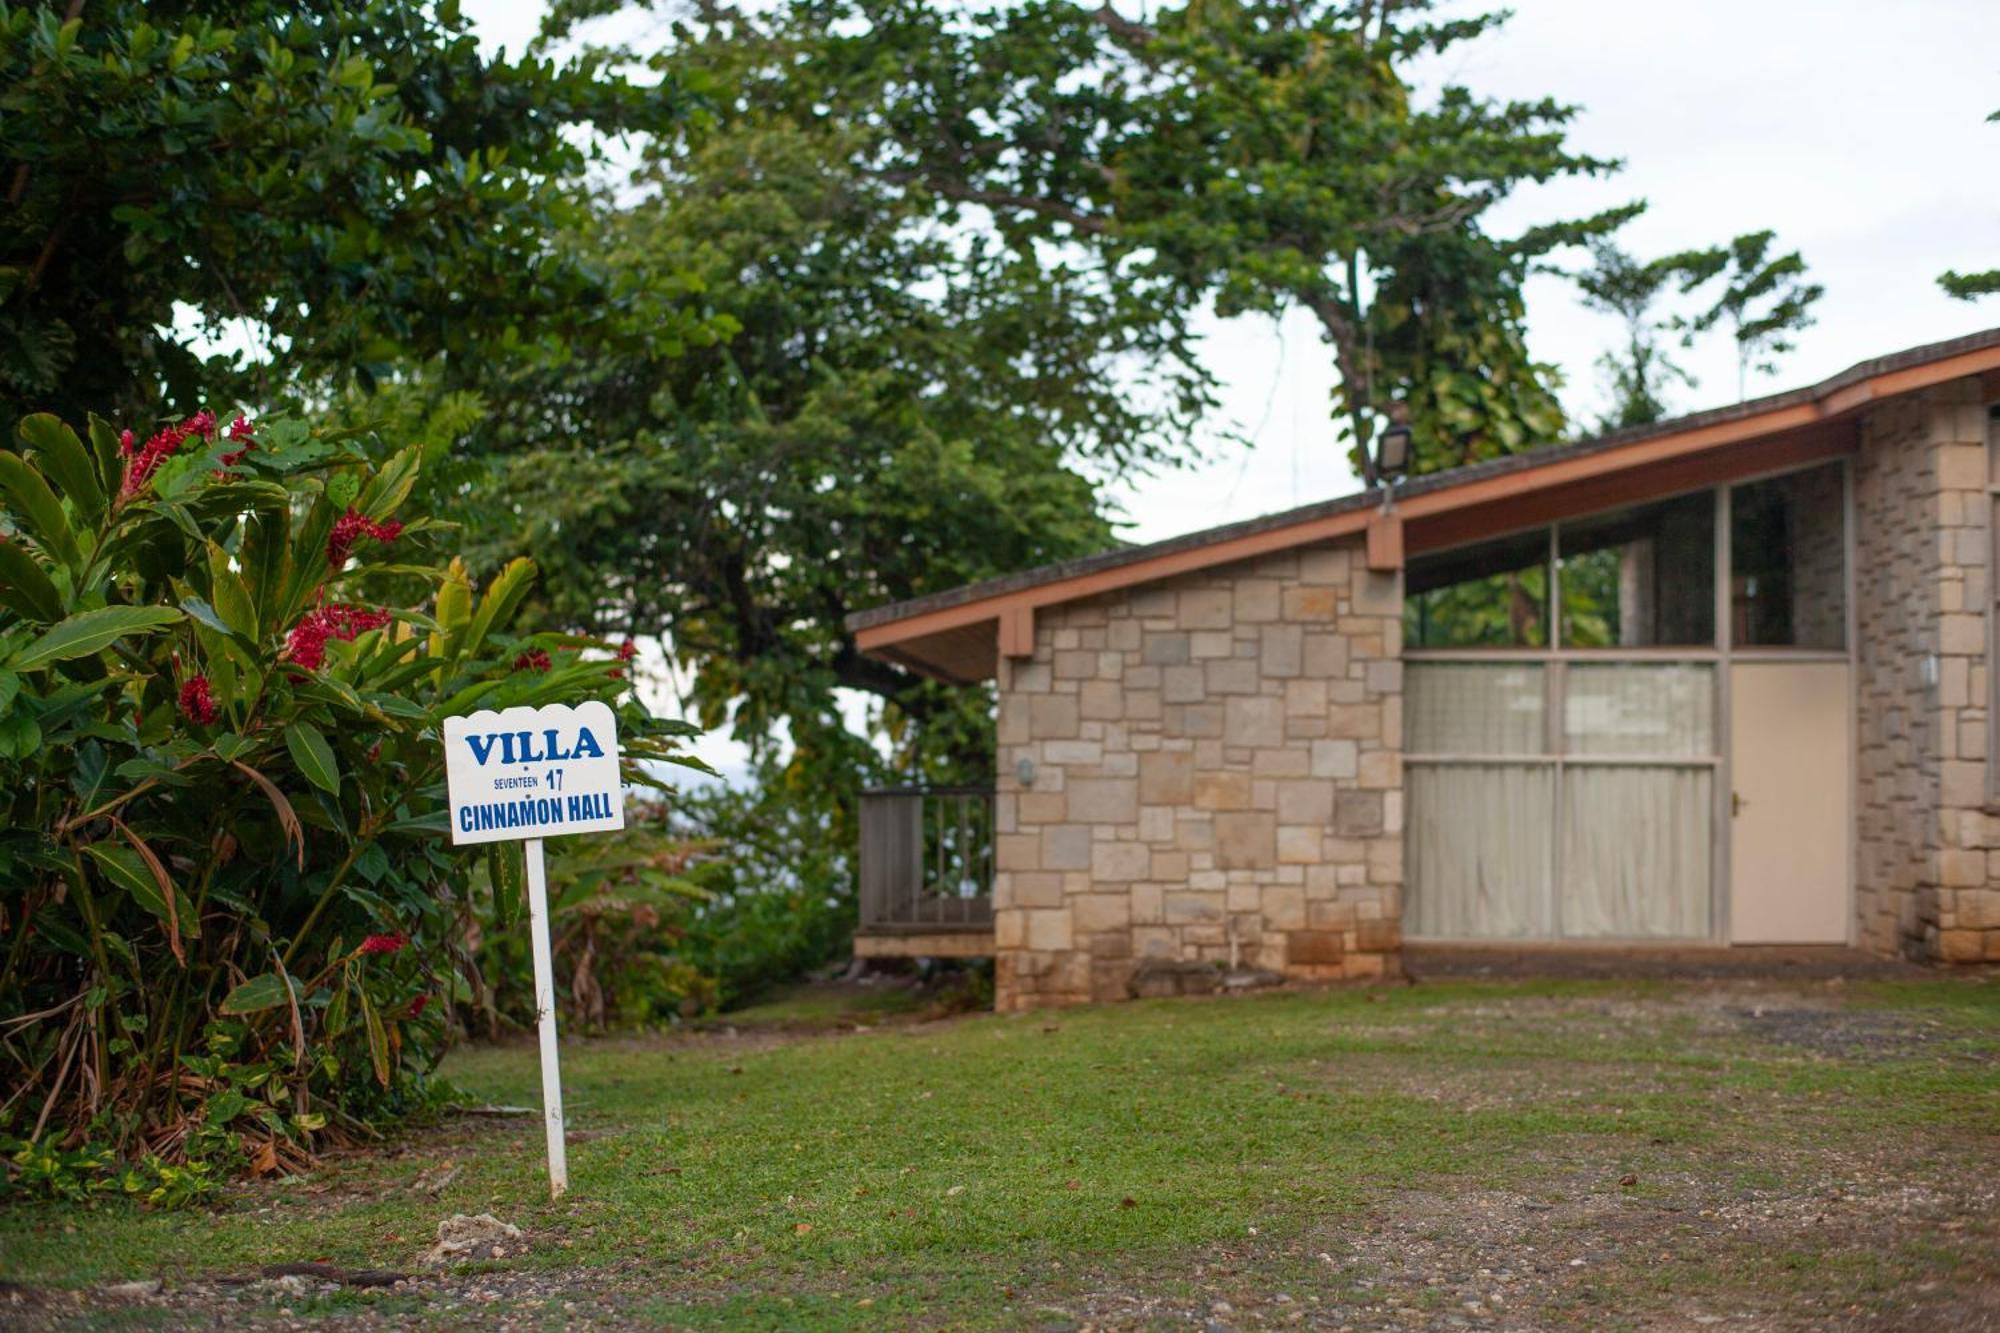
(1854, 128)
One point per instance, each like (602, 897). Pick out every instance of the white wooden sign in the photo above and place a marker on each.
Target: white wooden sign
(533, 773)
(529, 774)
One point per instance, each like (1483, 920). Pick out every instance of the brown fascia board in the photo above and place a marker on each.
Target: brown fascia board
(1902, 372)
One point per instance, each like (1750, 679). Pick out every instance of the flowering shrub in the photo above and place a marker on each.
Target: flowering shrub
(227, 898)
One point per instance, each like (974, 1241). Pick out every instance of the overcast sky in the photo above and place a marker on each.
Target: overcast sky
(1855, 128)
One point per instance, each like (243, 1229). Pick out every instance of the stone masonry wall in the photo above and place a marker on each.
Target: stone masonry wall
(1929, 852)
(1217, 780)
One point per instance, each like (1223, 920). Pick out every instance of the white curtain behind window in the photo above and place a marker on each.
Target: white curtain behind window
(1480, 844)
(1636, 852)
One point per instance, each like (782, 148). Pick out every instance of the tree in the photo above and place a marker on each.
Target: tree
(1639, 372)
(354, 186)
(1254, 156)
(1764, 300)
(1971, 286)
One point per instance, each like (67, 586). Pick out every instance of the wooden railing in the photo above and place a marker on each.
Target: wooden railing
(926, 859)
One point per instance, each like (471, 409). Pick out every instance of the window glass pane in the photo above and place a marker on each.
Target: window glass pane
(1481, 848)
(1474, 708)
(1641, 578)
(1639, 708)
(1636, 852)
(1494, 595)
(1788, 561)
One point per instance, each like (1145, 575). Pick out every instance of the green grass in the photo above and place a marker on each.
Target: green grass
(992, 1167)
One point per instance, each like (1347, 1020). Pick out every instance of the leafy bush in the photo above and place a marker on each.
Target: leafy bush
(228, 902)
(620, 907)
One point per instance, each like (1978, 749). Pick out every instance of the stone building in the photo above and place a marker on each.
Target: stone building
(1719, 681)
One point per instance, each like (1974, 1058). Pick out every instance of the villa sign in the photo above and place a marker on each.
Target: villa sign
(533, 773)
(526, 774)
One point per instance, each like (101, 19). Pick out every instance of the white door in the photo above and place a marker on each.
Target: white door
(1790, 751)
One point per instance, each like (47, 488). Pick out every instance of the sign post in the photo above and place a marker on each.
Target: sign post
(526, 774)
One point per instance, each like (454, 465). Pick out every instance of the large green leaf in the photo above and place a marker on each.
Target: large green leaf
(259, 993)
(125, 868)
(63, 457)
(88, 632)
(25, 588)
(28, 495)
(313, 756)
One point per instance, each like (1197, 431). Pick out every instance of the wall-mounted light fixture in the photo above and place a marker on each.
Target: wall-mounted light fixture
(1392, 446)
(1024, 769)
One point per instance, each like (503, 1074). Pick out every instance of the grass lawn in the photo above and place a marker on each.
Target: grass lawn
(1497, 1154)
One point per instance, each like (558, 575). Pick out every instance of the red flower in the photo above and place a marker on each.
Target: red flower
(393, 942)
(158, 450)
(196, 702)
(350, 528)
(532, 660)
(418, 1005)
(306, 645)
(627, 651)
(239, 429)
(615, 674)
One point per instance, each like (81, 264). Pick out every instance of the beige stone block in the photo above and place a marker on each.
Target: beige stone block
(1326, 564)
(1305, 801)
(1299, 844)
(1309, 604)
(1010, 929)
(1049, 929)
(1155, 600)
(1205, 608)
(1066, 847)
(1207, 643)
(1166, 778)
(1314, 947)
(1101, 700)
(1017, 851)
(1357, 814)
(1039, 888)
(1290, 762)
(1326, 655)
(1185, 909)
(1306, 698)
(1142, 705)
(1378, 594)
(1961, 634)
(1253, 721)
(1335, 759)
(1378, 935)
(1075, 664)
(1148, 904)
(1230, 676)
(1041, 807)
(1961, 946)
(1961, 783)
(1119, 862)
(1228, 789)
(1281, 650)
(1960, 868)
(1381, 769)
(1283, 908)
(1103, 800)
(1053, 716)
(1256, 600)
(1195, 833)
(1165, 649)
(1246, 840)
(1182, 685)
(1385, 677)
(1013, 724)
(1192, 720)
(1168, 867)
(1096, 912)
(1961, 467)
(1079, 752)
(1346, 721)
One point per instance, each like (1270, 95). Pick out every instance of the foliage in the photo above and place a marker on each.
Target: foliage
(227, 900)
(1641, 371)
(1764, 299)
(353, 186)
(1971, 286)
(1254, 156)
(619, 905)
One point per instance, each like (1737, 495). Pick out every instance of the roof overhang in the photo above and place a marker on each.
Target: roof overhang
(959, 635)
